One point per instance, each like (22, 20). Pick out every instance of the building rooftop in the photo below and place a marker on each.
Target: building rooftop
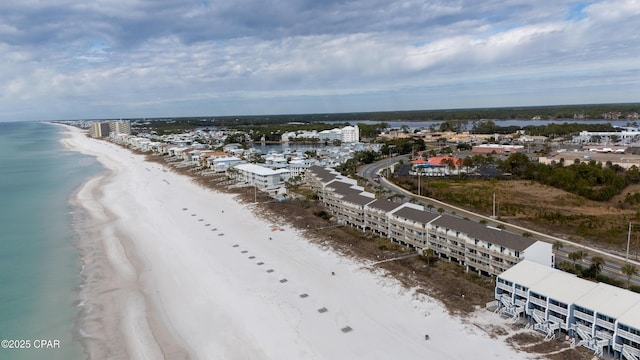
(384, 204)
(484, 233)
(527, 273)
(563, 287)
(322, 173)
(415, 214)
(256, 169)
(609, 300)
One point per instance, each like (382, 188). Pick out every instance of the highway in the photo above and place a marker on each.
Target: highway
(613, 262)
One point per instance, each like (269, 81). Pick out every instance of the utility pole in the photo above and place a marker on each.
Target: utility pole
(628, 241)
(494, 205)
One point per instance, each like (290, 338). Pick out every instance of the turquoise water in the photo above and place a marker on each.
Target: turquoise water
(39, 264)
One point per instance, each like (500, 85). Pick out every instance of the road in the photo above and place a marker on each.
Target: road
(613, 262)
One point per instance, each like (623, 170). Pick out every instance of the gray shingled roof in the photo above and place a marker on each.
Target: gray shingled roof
(349, 194)
(357, 199)
(322, 173)
(482, 232)
(416, 215)
(343, 188)
(384, 205)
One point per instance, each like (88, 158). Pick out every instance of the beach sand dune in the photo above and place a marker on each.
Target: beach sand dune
(199, 275)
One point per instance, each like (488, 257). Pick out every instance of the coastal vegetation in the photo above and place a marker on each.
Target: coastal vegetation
(591, 180)
(479, 120)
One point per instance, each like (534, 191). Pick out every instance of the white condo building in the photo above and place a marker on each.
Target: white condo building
(347, 134)
(265, 179)
(600, 317)
(350, 134)
(120, 127)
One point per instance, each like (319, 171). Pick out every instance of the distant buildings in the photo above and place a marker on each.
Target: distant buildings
(497, 149)
(101, 129)
(120, 127)
(347, 134)
(436, 166)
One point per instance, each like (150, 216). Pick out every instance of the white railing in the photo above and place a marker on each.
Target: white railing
(630, 353)
(558, 309)
(583, 316)
(557, 320)
(537, 301)
(506, 301)
(538, 316)
(584, 333)
(605, 324)
(627, 335)
(521, 293)
(600, 334)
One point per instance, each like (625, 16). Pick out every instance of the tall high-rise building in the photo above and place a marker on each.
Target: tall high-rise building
(350, 134)
(120, 127)
(99, 129)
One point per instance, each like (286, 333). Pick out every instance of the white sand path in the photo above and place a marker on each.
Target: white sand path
(215, 293)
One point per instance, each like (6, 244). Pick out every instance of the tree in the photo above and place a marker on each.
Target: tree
(428, 254)
(629, 270)
(441, 210)
(575, 256)
(557, 245)
(597, 263)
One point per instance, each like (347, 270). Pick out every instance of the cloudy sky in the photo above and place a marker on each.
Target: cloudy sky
(75, 59)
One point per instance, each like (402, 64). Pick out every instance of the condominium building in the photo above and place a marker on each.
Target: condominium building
(350, 134)
(484, 249)
(376, 216)
(99, 129)
(600, 317)
(263, 178)
(120, 127)
(408, 225)
(477, 247)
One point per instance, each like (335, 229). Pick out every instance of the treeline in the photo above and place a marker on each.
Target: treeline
(552, 129)
(590, 180)
(563, 112)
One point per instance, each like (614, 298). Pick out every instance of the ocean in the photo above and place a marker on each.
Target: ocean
(39, 263)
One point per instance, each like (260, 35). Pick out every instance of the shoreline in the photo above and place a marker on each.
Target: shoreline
(178, 283)
(113, 320)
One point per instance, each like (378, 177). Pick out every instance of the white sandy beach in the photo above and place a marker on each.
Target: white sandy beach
(195, 283)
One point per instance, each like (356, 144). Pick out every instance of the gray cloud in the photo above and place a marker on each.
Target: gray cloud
(139, 58)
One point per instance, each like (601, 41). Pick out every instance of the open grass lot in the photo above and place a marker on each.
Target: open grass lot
(541, 208)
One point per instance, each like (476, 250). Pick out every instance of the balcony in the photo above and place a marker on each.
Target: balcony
(557, 320)
(600, 334)
(605, 324)
(582, 316)
(629, 336)
(538, 302)
(558, 309)
(521, 292)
